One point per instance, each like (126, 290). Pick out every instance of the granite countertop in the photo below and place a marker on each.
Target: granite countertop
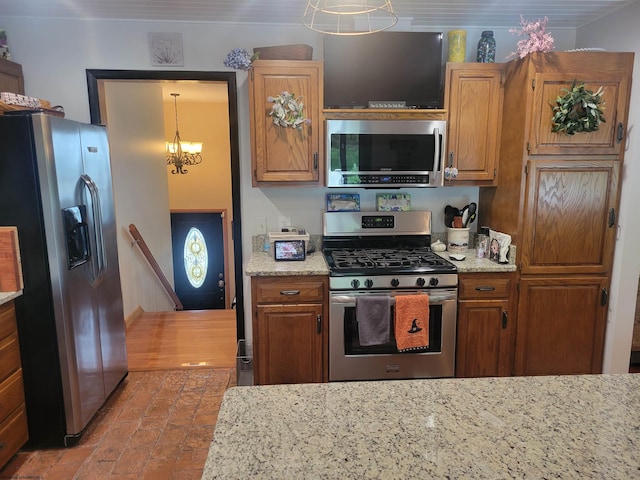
(263, 265)
(583, 426)
(472, 264)
(7, 296)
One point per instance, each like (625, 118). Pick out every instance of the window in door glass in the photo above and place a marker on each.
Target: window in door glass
(196, 257)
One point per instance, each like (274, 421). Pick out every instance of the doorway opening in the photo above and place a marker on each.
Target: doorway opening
(96, 86)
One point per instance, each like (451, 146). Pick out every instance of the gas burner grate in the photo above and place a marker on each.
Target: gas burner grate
(407, 259)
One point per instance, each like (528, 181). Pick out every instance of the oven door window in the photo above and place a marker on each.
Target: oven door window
(352, 345)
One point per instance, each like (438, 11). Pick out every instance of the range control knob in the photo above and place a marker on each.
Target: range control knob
(368, 283)
(395, 282)
(420, 282)
(355, 283)
(433, 281)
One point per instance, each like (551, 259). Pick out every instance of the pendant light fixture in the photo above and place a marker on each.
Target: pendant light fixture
(179, 152)
(349, 17)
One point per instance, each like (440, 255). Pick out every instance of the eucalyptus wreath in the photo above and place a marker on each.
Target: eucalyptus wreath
(288, 111)
(578, 110)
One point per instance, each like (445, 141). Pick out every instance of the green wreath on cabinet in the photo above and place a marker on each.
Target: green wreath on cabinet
(578, 110)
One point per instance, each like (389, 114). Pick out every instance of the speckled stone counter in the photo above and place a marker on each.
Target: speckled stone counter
(7, 296)
(472, 264)
(569, 427)
(263, 265)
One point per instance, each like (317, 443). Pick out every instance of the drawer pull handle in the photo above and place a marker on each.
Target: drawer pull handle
(289, 292)
(486, 289)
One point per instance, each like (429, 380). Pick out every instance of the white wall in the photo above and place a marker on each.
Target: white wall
(55, 53)
(619, 32)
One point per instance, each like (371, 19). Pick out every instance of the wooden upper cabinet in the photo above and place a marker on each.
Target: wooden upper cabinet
(473, 99)
(607, 140)
(11, 78)
(284, 155)
(569, 217)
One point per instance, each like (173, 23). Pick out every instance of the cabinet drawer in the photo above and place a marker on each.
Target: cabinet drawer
(7, 319)
(485, 286)
(290, 290)
(11, 394)
(9, 356)
(13, 435)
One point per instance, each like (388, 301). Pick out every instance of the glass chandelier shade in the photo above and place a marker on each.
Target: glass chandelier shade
(349, 17)
(179, 152)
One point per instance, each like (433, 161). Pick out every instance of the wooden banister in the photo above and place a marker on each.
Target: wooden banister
(154, 265)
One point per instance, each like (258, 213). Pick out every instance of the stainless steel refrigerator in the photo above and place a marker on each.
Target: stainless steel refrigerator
(55, 186)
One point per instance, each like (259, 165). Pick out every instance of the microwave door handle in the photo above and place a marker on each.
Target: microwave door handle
(436, 153)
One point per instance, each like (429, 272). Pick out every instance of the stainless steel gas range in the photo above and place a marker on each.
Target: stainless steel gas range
(387, 255)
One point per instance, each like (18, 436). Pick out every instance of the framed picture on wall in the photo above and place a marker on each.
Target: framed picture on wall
(166, 49)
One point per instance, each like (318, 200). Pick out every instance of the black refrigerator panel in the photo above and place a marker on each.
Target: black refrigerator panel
(20, 206)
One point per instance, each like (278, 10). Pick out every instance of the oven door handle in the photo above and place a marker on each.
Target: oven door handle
(434, 299)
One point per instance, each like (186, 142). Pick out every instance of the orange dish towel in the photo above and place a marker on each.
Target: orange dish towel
(412, 322)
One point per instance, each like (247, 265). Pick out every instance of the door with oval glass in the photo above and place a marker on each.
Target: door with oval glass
(198, 259)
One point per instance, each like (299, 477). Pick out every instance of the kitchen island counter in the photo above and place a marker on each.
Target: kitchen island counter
(481, 428)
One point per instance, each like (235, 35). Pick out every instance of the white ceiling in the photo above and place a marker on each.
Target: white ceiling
(415, 14)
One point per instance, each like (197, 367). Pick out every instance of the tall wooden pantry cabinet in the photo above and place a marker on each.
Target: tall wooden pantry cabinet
(557, 196)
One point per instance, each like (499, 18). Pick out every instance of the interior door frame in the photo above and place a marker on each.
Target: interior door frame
(94, 76)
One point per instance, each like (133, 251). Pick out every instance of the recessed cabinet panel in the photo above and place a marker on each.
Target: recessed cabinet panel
(607, 140)
(284, 153)
(569, 224)
(473, 100)
(561, 326)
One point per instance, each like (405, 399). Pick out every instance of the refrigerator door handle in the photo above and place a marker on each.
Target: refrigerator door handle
(101, 260)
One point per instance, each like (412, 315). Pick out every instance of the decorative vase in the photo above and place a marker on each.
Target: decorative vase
(486, 48)
(457, 45)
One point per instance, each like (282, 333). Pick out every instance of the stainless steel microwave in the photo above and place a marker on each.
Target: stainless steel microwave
(385, 153)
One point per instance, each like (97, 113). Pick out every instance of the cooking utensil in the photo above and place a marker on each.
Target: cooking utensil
(471, 214)
(465, 216)
(449, 213)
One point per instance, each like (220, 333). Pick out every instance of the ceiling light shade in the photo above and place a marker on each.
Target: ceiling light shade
(179, 152)
(349, 17)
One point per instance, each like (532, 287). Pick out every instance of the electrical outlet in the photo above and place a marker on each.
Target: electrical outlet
(261, 225)
(283, 222)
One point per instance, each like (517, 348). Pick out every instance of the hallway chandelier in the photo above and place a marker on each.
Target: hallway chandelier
(179, 152)
(349, 17)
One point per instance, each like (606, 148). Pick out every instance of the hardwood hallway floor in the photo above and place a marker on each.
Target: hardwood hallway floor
(189, 338)
(159, 422)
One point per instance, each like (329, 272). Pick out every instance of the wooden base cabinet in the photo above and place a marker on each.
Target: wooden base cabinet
(13, 419)
(561, 325)
(283, 155)
(290, 329)
(486, 325)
